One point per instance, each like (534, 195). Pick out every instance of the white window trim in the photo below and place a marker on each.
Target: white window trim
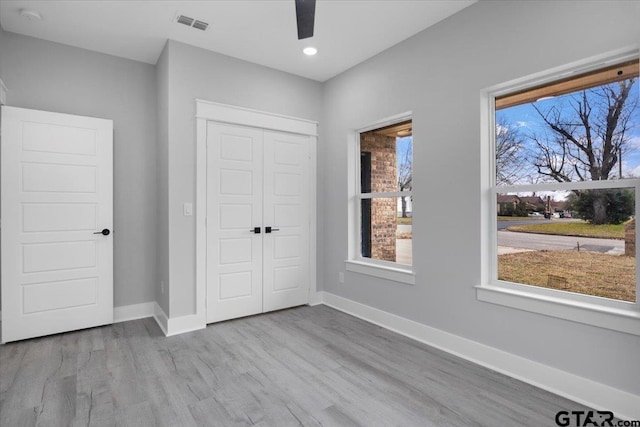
(602, 312)
(396, 272)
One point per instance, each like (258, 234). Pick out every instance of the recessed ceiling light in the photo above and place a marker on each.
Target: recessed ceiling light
(310, 50)
(30, 14)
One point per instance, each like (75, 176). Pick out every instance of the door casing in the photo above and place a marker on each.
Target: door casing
(222, 113)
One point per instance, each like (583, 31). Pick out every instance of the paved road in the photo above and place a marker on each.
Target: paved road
(509, 241)
(404, 254)
(544, 241)
(404, 228)
(526, 221)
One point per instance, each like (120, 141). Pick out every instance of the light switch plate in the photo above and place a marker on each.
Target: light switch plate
(187, 209)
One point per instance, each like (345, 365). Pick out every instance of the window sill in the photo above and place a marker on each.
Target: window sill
(627, 321)
(395, 274)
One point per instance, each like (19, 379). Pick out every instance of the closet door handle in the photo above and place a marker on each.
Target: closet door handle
(255, 230)
(269, 229)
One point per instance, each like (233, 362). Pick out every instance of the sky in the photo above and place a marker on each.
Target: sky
(526, 120)
(403, 145)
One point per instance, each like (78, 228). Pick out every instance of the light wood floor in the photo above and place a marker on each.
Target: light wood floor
(303, 366)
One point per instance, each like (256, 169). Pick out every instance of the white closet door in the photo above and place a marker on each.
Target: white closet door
(57, 193)
(286, 210)
(234, 209)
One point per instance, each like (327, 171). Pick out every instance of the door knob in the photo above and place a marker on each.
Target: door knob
(255, 230)
(269, 229)
(104, 232)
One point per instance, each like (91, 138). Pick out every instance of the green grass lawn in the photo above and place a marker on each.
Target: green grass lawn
(580, 229)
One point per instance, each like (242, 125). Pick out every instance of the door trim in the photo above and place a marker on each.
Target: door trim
(229, 114)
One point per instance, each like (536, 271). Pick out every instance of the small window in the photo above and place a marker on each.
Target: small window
(385, 194)
(563, 189)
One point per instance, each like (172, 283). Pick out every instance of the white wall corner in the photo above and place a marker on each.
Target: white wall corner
(3, 93)
(183, 324)
(316, 298)
(132, 312)
(178, 325)
(161, 318)
(590, 393)
(169, 326)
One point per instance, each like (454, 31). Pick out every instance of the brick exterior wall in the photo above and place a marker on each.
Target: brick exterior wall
(384, 176)
(630, 238)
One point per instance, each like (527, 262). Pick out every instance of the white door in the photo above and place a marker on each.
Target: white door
(234, 221)
(57, 193)
(286, 212)
(257, 221)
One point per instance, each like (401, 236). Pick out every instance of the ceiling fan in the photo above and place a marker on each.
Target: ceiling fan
(305, 16)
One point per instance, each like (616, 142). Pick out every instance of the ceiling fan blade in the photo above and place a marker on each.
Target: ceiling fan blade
(305, 15)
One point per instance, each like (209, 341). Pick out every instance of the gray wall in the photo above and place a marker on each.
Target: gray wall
(2, 49)
(2, 60)
(162, 181)
(438, 75)
(53, 77)
(197, 73)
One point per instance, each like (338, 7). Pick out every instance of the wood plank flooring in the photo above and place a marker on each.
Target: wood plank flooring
(310, 366)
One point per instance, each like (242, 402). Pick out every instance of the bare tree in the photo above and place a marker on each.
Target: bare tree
(405, 174)
(586, 140)
(509, 153)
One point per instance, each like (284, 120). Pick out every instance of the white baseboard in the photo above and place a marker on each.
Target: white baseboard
(169, 327)
(316, 298)
(161, 318)
(182, 324)
(582, 390)
(133, 312)
(177, 325)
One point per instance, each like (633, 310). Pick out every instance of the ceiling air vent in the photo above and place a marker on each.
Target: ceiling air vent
(190, 22)
(200, 25)
(185, 20)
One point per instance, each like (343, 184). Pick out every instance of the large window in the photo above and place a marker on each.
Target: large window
(563, 188)
(383, 198)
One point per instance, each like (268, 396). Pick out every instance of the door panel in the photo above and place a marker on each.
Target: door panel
(57, 178)
(51, 138)
(55, 295)
(57, 190)
(39, 257)
(59, 217)
(286, 209)
(234, 208)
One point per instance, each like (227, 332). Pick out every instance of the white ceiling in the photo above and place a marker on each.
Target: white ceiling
(347, 32)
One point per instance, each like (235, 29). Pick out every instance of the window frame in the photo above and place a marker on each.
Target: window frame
(355, 262)
(612, 314)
